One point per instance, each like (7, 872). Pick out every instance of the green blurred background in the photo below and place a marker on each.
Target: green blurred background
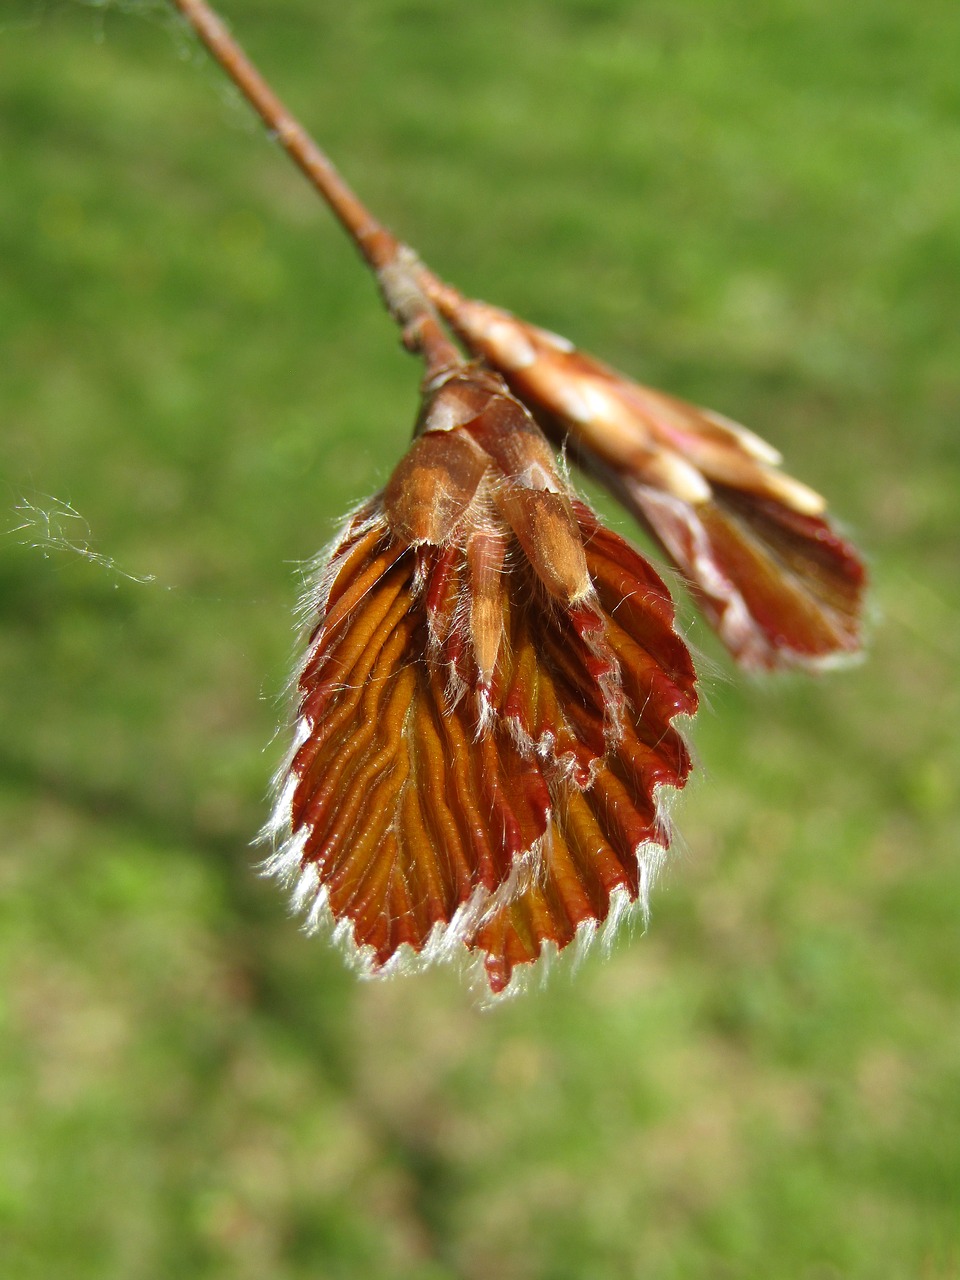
(755, 205)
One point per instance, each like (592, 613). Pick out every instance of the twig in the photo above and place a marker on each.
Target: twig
(397, 268)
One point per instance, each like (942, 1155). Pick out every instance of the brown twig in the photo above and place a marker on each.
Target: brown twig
(397, 268)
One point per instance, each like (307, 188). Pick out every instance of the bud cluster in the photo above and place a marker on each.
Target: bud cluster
(486, 709)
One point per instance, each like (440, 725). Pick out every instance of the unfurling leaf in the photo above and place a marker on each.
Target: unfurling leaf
(487, 705)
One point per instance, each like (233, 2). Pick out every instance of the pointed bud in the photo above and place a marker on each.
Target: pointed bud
(774, 578)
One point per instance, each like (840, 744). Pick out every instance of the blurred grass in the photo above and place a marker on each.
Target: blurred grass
(755, 205)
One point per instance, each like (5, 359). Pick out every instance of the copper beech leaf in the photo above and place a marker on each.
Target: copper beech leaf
(486, 707)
